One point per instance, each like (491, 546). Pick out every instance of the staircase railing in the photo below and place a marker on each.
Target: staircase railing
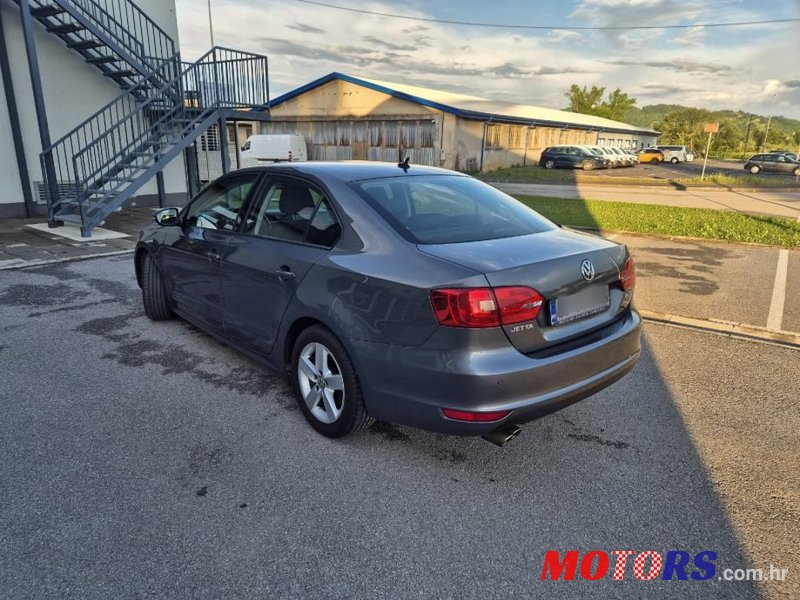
(127, 25)
(96, 161)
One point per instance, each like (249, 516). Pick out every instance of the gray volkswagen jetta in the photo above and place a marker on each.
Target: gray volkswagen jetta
(413, 295)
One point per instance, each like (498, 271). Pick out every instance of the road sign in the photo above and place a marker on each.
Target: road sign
(711, 127)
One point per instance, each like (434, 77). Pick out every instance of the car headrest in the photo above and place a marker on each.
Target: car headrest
(295, 198)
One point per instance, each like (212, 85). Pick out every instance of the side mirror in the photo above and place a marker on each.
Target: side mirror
(166, 216)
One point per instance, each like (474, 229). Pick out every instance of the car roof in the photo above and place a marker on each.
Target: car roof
(349, 170)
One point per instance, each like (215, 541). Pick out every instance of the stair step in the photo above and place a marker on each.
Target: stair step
(66, 28)
(86, 44)
(68, 216)
(49, 10)
(101, 60)
(120, 74)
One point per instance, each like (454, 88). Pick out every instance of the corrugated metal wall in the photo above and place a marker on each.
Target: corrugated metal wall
(381, 140)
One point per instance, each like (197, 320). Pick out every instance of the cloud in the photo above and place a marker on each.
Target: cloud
(678, 65)
(304, 28)
(375, 41)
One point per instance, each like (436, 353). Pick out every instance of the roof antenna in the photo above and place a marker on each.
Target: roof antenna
(404, 165)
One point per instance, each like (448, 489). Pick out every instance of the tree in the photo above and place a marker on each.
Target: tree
(617, 105)
(584, 101)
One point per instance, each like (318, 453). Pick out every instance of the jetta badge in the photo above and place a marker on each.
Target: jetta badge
(587, 270)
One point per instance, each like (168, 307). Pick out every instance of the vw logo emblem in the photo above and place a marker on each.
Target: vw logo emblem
(587, 270)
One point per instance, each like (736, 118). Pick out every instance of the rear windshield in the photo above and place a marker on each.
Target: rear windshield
(446, 209)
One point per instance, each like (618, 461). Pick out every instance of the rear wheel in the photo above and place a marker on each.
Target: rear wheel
(587, 165)
(755, 169)
(796, 172)
(549, 164)
(674, 160)
(326, 385)
(655, 161)
(154, 295)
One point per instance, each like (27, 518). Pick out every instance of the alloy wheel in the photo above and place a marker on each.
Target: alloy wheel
(321, 383)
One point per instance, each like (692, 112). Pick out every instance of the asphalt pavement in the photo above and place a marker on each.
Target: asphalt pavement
(147, 460)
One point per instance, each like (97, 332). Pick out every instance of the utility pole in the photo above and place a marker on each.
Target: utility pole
(210, 24)
(747, 135)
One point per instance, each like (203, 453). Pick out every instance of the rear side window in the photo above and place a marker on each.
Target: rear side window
(443, 209)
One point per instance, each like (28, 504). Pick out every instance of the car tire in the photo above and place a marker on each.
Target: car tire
(655, 161)
(674, 160)
(755, 169)
(154, 294)
(549, 164)
(326, 385)
(587, 165)
(796, 172)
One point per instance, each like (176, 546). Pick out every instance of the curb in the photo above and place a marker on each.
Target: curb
(39, 263)
(786, 339)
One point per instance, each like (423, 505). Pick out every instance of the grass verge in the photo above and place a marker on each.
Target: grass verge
(727, 180)
(668, 220)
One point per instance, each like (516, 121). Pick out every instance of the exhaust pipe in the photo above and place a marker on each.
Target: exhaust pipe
(500, 437)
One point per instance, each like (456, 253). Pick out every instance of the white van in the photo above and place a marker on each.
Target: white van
(273, 148)
(676, 154)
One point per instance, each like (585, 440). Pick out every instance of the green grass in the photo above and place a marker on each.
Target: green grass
(668, 220)
(540, 175)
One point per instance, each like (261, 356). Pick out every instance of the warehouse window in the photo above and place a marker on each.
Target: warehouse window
(375, 134)
(493, 136)
(515, 136)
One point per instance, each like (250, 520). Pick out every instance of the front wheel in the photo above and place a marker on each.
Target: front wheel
(655, 161)
(674, 160)
(755, 169)
(796, 172)
(154, 295)
(549, 164)
(587, 165)
(326, 385)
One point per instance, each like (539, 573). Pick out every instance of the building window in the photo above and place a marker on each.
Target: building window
(515, 136)
(493, 136)
(209, 141)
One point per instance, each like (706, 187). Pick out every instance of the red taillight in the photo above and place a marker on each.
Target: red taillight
(628, 275)
(485, 307)
(518, 304)
(480, 417)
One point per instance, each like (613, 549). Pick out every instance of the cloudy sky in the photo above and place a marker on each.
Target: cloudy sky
(751, 68)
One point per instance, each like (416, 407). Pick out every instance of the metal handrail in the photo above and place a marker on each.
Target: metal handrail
(104, 144)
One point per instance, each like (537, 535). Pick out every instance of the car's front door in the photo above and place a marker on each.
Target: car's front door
(191, 262)
(290, 226)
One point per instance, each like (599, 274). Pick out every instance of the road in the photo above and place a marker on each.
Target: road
(765, 202)
(144, 459)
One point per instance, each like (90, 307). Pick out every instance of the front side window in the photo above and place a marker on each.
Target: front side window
(219, 205)
(295, 211)
(442, 209)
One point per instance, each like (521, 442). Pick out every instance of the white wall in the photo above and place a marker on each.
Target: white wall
(73, 91)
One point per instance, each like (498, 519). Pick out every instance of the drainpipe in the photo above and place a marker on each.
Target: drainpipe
(483, 145)
(16, 134)
(41, 109)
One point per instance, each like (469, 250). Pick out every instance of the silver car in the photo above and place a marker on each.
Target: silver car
(408, 294)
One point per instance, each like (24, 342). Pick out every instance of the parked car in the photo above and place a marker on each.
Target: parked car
(615, 160)
(676, 154)
(775, 163)
(628, 160)
(650, 155)
(571, 157)
(413, 295)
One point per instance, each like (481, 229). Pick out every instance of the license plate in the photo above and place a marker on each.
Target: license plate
(589, 301)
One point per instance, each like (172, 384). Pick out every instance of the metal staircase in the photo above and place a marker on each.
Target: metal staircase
(166, 104)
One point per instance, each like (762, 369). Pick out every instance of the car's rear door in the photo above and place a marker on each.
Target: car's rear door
(190, 263)
(289, 227)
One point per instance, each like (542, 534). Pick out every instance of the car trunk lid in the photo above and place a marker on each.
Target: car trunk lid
(577, 274)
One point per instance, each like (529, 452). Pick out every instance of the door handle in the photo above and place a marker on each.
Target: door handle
(213, 255)
(285, 273)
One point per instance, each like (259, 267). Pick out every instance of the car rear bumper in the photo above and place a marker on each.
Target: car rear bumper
(411, 385)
